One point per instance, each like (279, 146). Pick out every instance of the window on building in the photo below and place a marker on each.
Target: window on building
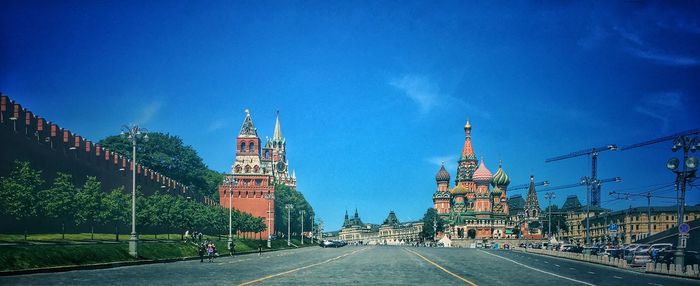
(654, 227)
(251, 146)
(242, 146)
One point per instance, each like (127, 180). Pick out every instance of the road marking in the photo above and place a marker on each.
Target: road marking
(557, 265)
(546, 262)
(550, 273)
(617, 277)
(591, 272)
(442, 268)
(300, 268)
(656, 284)
(572, 268)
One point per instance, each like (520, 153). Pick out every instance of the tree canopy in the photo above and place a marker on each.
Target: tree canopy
(168, 155)
(431, 217)
(285, 195)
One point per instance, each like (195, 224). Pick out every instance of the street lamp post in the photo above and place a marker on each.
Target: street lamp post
(549, 196)
(687, 174)
(302, 213)
(269, 198)
(134, 134)
(289, 208)
(230, 210)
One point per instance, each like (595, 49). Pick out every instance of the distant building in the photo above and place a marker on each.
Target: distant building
(633, 223)
(391, 231)
(477, 206)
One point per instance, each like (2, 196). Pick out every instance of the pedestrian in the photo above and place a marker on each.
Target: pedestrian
(259, 249)
(199, 236)
(654, 254)
(231, 248)
(201, 252)
(187, 235)
(210, 251)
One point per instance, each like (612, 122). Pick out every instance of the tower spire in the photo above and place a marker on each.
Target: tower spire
(248, 128)
(277, 135)
(467, 150)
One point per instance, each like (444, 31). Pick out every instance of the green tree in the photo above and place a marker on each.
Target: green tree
(431, 218)
(59, 201)
(19, 193)
(116, 209)
(89, 200)
(168, 155)
(285, 195)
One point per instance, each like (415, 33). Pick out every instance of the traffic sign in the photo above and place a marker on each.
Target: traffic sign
(684, 228)
(683, 242)
(613, 227)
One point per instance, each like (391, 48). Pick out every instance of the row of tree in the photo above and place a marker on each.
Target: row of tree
(25, 196)
(301, 209)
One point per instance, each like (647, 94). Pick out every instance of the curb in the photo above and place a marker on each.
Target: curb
(116, 264)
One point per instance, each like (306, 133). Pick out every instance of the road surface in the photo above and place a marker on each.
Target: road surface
(366, 265)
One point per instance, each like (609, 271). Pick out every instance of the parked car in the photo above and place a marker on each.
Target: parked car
(591, 250)
(660, 246)
(640, 258)
(479, 245)
(668, 256)
(567, 247)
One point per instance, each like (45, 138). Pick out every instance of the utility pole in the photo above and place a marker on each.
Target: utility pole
(593, 184)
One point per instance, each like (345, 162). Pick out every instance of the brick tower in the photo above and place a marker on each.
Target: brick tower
(249, 181)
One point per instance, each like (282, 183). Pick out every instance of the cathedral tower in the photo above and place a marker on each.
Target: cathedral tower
(442, 197)
(482, 178)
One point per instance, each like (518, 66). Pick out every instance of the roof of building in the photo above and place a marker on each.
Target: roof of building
(248, 128)
(391, 219)
(459, 190)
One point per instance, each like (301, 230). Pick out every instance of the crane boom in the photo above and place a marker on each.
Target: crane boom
(583, 152)
(525, 186)
(662, 139)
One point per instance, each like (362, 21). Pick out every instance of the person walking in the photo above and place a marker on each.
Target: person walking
(210, 251)
(231, 248)
(654, 254)
(201, 252)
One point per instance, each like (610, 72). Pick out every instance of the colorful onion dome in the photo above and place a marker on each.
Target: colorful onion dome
(496, 192)
(459, 190)
(442, 175)
(500, 178)
(482, 174)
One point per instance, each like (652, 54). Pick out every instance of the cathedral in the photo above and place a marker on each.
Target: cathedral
(249, 187)
(477, 206)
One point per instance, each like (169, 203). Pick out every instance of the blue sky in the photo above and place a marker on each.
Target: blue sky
(373, 95)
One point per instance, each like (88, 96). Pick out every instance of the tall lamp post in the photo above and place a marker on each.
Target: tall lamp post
(549, 196)
(269, 198)
(687, 174)
(230, 208)
(289, 208)
(134, 134)
(302, 213)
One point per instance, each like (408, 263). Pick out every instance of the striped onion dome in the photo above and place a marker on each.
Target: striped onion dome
(482, 174)
(500, 178)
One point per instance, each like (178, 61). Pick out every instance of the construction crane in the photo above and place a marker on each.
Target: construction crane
(592, 181)
(525, 186)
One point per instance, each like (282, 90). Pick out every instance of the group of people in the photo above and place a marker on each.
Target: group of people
(208, 248)
(193, 236)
